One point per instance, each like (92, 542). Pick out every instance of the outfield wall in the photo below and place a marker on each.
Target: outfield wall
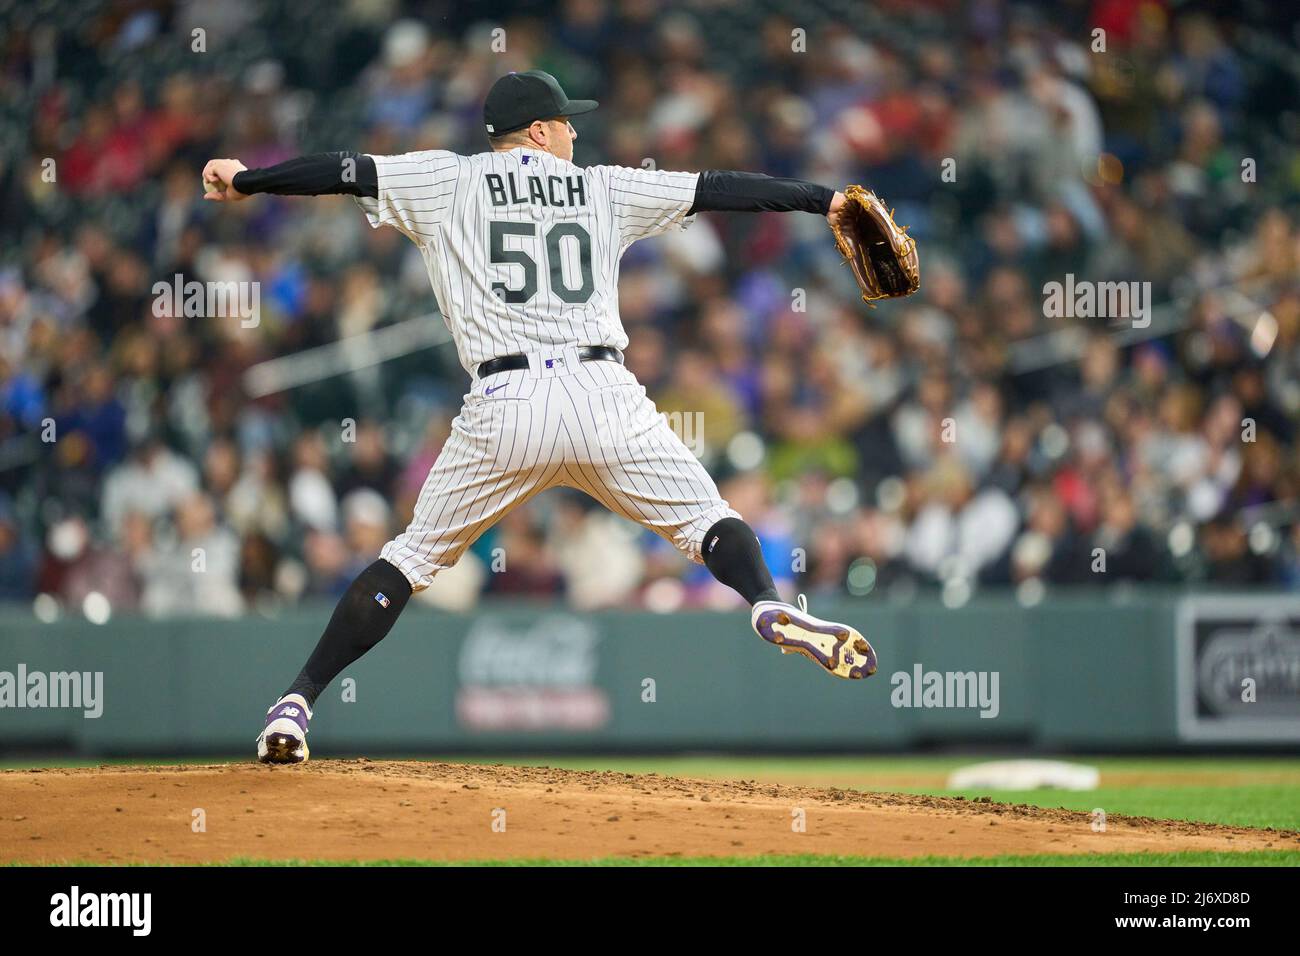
(1155, 672)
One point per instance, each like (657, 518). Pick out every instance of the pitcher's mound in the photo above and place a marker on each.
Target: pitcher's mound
(395, 810)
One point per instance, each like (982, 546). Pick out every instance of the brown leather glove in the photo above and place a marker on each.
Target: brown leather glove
(882, 255)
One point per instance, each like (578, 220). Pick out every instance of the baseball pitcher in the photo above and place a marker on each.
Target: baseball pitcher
(522, 248)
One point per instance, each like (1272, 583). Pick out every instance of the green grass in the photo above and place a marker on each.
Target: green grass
(1255, 791)
(730, 766)
(1238, 791)
(1244, 806)
(1185, 858)
(27, 763)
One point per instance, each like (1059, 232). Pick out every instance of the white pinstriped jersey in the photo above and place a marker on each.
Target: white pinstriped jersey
(522, 247)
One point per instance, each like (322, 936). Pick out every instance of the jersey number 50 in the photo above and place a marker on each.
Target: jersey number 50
(498, 231)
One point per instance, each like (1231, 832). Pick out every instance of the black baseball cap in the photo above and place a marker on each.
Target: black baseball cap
(517, 99)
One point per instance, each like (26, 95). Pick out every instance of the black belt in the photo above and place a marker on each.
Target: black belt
(586, 353)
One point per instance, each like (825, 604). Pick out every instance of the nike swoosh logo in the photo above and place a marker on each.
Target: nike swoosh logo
(489, 391)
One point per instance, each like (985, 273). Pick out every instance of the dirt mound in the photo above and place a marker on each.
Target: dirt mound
(372, 810)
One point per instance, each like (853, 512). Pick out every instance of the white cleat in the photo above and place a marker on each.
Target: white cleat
(838, 648)
(284, 738)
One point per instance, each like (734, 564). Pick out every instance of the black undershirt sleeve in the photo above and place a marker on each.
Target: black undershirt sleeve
(319, 174)
(721, 190)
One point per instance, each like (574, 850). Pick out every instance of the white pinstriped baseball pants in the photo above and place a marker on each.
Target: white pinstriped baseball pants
(583, 425)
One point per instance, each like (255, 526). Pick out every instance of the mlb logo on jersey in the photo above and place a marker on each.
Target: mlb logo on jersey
(382, 599)
(525, 158)
(555, 361)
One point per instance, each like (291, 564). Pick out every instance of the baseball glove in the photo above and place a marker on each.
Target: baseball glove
(882, 255)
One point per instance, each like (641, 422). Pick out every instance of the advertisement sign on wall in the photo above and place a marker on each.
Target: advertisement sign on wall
(539, 675)
(1239, 669)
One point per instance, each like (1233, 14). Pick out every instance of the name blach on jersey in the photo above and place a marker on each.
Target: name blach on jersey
(558, 191)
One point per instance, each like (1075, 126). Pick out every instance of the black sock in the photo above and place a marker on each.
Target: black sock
(363, 617)
(732, 554)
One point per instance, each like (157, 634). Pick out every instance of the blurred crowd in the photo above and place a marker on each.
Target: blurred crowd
(962, 439)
